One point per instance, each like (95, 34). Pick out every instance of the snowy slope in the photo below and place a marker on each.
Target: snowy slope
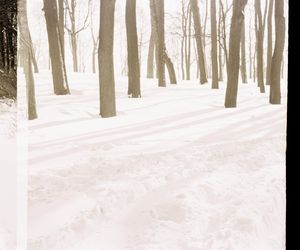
(8, 175)
(174, 170)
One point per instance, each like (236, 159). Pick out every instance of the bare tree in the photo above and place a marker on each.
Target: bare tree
(73, 30)
(250, 49)
(204, 35)
(134, 89)
(275, 93)
(94, 52)
(188, 50)
(198, 36)
(214, 45)
(159, 9)
(162, 58)
(95, 40)
(152, 42)
(105, 58)
(270, 43)
(234, 52)
(224, 12)
(243, 55)
(59, 75)
(61, 24)
(220, 45)
(26, 44)
(259, 46)
(186, 23)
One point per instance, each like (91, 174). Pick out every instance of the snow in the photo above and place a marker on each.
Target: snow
(8, 175)
(173, 170)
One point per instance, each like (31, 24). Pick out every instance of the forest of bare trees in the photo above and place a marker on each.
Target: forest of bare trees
(8, 48)
(240, 52)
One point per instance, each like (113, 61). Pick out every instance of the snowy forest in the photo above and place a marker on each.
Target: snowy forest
(208, 40)
(8, 48)
(147, 124)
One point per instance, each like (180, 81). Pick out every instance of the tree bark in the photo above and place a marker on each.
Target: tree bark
(59, 75)
(250, 51)
(25, 43)
(220, 47)
(105, 58)
(270, 42)
(170, 68)
(214, 45)
(33, 58)
(132, 49)
(275, 92)
(188, 50)
(234, 52)
(198, 36)
(61, 23)
(150, 60)
(159, 10)
(243, 56)
(259, 47)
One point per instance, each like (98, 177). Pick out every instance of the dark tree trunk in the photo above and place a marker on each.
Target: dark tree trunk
(61, 23)
(214, 45)
(198, 36)
(270, 43)
(275, 92)
(134, 89)
(105, 58)
(234, 52)
(59, 75)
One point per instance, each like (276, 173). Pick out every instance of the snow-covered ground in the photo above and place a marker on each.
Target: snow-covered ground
(8, 175)
(174, 170)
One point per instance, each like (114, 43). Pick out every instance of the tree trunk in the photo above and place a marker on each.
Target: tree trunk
(270, 42)
(243, 56)
(160, 24)
(259, 47)
(198, 36)
(224, 34)
(132, 48)
(220, 47)
(208, 73)
(214, 45)
(150, 60)
(59, 76)
(188, 57)
(61, 23)
(171, 69)
(275, 92)
(182, 58)
(74, 52)
(32, 54)
(183, 39)
(25, 42)
(105, 58)
(234, 52)
(250, 52)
